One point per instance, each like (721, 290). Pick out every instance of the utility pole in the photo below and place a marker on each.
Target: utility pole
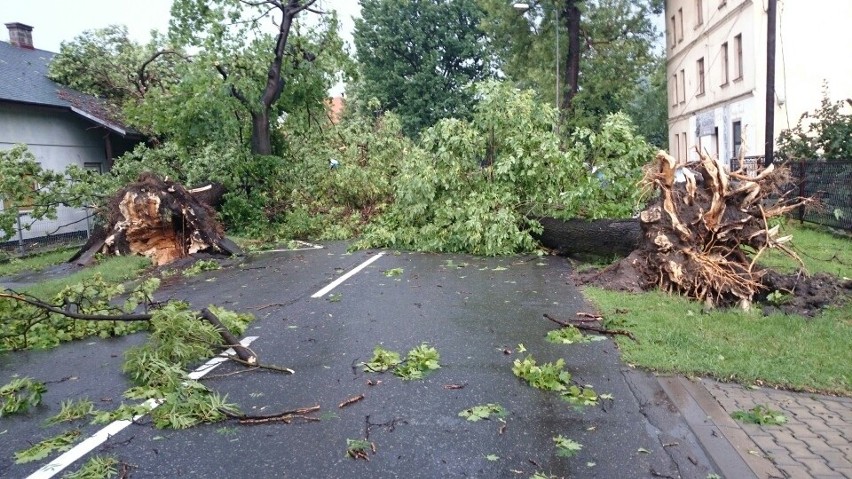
(769, 145)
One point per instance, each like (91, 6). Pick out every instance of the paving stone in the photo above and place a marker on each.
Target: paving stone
(796, 472)
(800, 431)
(836, 459)
(817, 466)
(834, 475)
(847, 473)
(798, 450)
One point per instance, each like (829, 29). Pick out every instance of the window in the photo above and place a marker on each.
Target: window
(699, 13)
(674, 32)
(94, 167)
(679, 25)
(685, 148)
(700, 76)
(682, 89)
(738, 45)
(724, 54)
(675, 96)
(738, 138)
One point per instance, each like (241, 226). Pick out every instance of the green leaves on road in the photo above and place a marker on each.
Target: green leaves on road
(566, 447)
(552, 377)
(483, 411)
(40, 450)
(20, 395)
(417, 364)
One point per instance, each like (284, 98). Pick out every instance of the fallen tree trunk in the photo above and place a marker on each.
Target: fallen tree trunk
(160, 219)
(597, 237)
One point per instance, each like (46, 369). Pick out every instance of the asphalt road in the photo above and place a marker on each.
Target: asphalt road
(475, 311)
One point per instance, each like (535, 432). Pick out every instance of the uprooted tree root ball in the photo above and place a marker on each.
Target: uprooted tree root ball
(160, 219)
(696, 234)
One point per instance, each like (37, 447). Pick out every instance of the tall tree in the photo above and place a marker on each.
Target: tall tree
(223, 29)
(418, 57)
(605, 48)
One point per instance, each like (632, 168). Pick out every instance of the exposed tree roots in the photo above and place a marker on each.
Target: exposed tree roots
(696, 235)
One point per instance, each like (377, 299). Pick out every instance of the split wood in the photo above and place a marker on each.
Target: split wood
(588, 327)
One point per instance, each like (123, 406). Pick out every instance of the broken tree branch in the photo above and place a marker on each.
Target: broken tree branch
(243, 353)
(285, 417)
(588, 327)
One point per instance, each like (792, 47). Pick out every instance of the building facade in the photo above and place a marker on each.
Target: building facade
(716, 67)
(60, 127)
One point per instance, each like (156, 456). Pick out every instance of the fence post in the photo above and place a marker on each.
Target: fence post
(20, 236)
(802, 177)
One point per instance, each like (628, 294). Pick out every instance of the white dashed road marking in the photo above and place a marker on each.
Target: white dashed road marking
(85, 447)
(340, 280)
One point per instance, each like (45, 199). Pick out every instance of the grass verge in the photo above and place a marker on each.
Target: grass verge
(792, 352)
(114, 269)
(36, 262)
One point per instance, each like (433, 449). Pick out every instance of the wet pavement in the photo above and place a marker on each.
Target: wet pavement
(475, 311)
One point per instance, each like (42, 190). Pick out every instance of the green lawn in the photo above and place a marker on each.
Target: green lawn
(793, 352)
(114, 269)
(36, 262)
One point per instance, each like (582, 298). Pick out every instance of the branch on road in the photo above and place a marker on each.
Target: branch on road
(588, 327)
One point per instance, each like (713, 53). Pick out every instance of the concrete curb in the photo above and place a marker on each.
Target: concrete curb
(730, 448)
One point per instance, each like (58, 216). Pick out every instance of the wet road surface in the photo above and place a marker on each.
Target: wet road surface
(475, 311)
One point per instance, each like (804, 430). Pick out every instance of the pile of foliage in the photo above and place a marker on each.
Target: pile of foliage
(478, 186)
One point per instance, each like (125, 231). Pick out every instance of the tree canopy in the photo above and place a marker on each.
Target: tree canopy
(419, 58)
(606, 52)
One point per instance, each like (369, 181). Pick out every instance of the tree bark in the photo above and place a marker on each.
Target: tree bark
(571, 16)
(599, 237)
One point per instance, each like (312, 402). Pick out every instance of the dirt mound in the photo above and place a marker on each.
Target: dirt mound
(803, 295)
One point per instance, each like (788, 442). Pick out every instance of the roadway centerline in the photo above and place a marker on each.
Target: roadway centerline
(340, 280)
(113, 428)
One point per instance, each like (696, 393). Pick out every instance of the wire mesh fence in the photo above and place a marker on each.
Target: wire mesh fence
(34, 236)
(830, 181)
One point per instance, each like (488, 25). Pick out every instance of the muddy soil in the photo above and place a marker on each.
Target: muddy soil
(787, 293)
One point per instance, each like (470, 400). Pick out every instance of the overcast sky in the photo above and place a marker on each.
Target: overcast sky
(56, 20)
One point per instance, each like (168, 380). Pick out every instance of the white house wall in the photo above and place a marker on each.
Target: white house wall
(57, 139)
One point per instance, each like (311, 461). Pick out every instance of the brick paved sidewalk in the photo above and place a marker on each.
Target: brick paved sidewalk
(816, 441)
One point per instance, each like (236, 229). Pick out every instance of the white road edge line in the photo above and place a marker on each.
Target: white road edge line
(57, 465)
(338, 281)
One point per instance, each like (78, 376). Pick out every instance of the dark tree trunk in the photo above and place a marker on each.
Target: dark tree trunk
(571, 17)
(599, 237)
(261, 142)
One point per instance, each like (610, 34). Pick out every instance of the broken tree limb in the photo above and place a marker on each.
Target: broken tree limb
(285, 417)
(351, 401)
(270, 367)
(230, 340)
(588, 327)
(8, 294)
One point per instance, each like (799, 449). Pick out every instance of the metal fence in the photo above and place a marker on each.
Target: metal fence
(44, 235)
(830, 181)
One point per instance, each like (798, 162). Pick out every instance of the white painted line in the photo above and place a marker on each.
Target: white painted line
(340, 280)
(305, 244)
(113, 428)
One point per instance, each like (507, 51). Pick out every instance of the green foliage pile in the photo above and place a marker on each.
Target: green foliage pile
(477, 186)
(566, 447)
(760, 415)
(23, 326)
(419, 362)
(20, 395)
(71, 410)
(553, 377)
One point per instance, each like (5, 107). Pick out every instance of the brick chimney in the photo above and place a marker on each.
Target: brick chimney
(20, 35)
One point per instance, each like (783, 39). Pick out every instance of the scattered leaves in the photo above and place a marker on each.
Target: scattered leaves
(566, 447)
(571, 335)
(492, 457)
(484, 411)
(40, 450)
(19, 395)
(390, 273)
(761, 415)
(72, 410)
(98, 467)
(382, 360)
(201, 266)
